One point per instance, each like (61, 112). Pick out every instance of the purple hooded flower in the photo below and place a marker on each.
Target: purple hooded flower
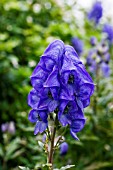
(40, 118)
(93, 41)
(33, 99)
(91, 60)
(62, 85)
(74, 80)
(48, 66)
(105, 69)
(47, 100)
(70, 114)
(98, 58)
(96, 12)
(11, 128)
(63, 149)
(108, 29)
(8, 127)
(106, 58)
(4, 127)
(77, 44)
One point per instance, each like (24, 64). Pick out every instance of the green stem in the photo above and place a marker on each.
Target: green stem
(52, 149)
(96, 91)
(50, 159)
(49, 136)
(58, 141)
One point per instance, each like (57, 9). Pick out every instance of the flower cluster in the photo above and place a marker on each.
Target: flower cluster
(60, 85)
(8, 127)
(77, 45)
(98, 58)
(108, 29)
(96, 12)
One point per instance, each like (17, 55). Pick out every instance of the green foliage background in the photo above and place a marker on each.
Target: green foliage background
(26, 28)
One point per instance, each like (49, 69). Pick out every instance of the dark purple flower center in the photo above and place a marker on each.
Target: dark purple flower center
(39, 118)
(66, 110)
(71, 79)
(50, 95)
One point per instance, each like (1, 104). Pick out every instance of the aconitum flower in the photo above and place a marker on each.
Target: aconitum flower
(8, 127)
(108, 29)
(105, 69)
(93, 41)
(11, 128)
(96, 12)
(4, 127)
(77, 44)
(98, 59)
(40, 118)
(63, 148)
(61, 86)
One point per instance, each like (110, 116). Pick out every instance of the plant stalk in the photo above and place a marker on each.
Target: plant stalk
(51, 153)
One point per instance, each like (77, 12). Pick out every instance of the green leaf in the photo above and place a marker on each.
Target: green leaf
(98, 165)
(65, 167)
(1, 151)
(18, 153)
(41, 144)
(23, 168)
(11, 148)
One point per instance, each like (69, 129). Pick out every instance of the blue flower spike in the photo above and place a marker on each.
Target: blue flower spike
(61, 85)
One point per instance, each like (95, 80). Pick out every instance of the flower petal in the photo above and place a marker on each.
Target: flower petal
(33, 99)
(52, 79)
(39, 72)
(62, 105)
(43, 104)
(63, 119)
(82, 75)
(105, 69)
(43, 127)
(63, 148)
(49, 63)
(43, 115)
(65, 94)
(77, 125)
(40, 127)
(33, 116)
(80, 104)
(67, 64)
(55, 92)
(52, 105)
(77, 44)
(75, 114)
(73, 134)
(72, 54)
(37, 83)
(36, 130)
(55, 50)
(86, 90)
(86, 102)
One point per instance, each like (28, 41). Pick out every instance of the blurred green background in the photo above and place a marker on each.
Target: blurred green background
(26, 28)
